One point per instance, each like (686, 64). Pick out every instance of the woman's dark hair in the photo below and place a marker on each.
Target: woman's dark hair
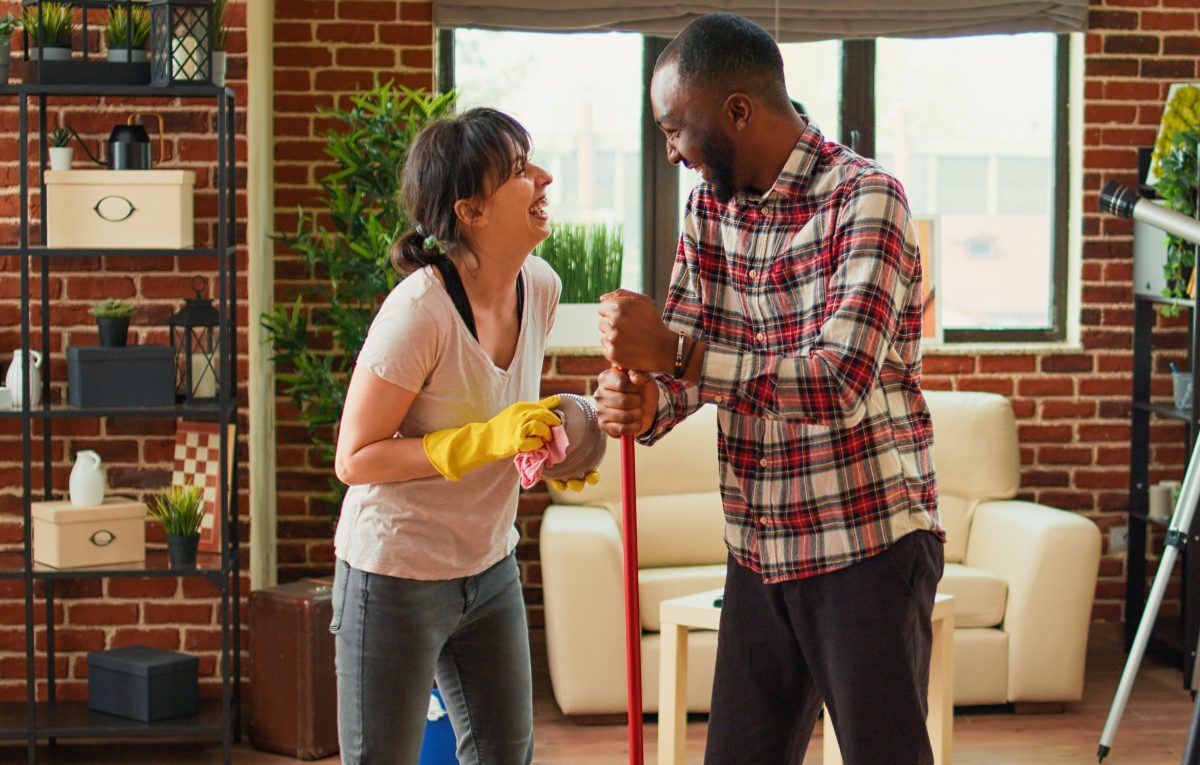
(463, 157)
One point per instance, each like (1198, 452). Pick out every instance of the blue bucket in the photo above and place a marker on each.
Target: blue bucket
(438, 746)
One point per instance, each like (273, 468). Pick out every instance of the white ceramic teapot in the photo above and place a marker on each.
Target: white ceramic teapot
(87, 479)
(14, 380)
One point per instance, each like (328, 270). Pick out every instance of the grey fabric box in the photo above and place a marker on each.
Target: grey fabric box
(136, 375)
(142, 683)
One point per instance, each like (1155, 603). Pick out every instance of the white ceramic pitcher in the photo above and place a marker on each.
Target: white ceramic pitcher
(14, 380)
(87, 479)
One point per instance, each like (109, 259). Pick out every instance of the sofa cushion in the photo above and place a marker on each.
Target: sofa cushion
(955, 516)
(684, 460)
(975, 448)
(979, 597)
(659, 584)
(678, 529)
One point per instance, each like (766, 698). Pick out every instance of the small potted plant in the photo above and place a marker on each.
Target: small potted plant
(8, 25)
(588, 259)
(127, 34)
(180, 509)
(61, 151)
(112, 319)
(52, 34)
(219, 28)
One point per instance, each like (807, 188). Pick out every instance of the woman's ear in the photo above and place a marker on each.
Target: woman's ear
(469, 213)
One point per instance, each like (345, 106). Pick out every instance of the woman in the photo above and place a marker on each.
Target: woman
(440, 401)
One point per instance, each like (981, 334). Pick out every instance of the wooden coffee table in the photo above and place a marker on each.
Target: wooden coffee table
(698, 612)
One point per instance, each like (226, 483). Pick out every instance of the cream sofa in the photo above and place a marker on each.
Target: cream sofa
(1023, 574)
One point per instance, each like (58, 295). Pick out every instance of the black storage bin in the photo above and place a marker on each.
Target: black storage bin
(142, 683)
(136, 375)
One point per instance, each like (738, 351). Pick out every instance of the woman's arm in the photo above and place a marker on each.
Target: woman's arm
(368, 450)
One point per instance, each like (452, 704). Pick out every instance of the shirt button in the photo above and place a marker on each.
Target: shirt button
(718, 399)
(762, 462)
(761, 336)
(764, 209)
(753, 273)
(764, 520)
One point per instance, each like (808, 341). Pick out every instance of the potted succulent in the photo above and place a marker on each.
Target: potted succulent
(219, 28)
(8, 25)
(49, 39)
(61, 153)
(112, 319)
(127, 33)
(180, 509)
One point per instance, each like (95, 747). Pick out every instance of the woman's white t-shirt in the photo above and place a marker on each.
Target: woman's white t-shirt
(432, 528)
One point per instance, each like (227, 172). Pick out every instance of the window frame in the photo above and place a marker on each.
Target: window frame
(660, 183)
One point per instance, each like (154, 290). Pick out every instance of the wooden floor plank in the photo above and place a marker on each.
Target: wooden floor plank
(1153, 730)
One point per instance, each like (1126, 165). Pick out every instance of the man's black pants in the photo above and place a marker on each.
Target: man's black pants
(857, 638)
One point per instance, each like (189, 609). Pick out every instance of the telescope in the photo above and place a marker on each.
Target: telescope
(1124, 202)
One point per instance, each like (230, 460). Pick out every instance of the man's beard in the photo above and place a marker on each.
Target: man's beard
(718, 158)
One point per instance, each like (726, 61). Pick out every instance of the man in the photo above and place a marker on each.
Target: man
(794, 307)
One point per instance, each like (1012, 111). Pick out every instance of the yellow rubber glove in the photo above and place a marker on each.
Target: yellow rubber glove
(575, 484)
(520, 427)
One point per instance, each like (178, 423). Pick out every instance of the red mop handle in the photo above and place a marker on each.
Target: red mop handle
(633, 618)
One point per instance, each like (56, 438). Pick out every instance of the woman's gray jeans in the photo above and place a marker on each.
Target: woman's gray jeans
(394, 636)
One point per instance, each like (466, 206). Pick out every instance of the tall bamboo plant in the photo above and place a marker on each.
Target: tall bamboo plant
(318, 332)
(586, 257)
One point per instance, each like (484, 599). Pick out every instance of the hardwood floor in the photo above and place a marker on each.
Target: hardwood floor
(1153, 730)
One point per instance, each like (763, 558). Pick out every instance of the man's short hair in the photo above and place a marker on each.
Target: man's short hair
(726, 52)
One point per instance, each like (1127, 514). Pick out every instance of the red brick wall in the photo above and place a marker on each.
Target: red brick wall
(90, 614)
(1072, 405)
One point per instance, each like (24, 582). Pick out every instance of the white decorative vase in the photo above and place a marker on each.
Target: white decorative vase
(576, 327)
(52, 53)
(60, 157)
(219, 60)
(122, 56)
(15, 381)
(87, 480)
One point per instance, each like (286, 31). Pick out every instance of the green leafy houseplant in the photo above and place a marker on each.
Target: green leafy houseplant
(586, 257)
(219, 27)
(56, 26)
(8, 25)
(112, 321)
(180, 509)
(1175, 164)
(317, 334)
(120, 31)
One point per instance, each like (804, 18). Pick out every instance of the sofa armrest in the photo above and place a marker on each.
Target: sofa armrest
(1050, 559)
(583, 591)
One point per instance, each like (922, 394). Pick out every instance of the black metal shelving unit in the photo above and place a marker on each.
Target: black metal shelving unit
(51, 719)
(1176, 635)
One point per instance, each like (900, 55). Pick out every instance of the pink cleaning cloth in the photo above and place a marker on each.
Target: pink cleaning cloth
(531, 464)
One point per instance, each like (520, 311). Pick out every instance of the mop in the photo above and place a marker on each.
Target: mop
(633, 620)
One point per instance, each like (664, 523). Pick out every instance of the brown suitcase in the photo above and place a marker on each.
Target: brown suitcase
(293, 687)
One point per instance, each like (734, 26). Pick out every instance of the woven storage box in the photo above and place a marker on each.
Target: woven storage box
(66, 536)
(142, 683)
(121, 209)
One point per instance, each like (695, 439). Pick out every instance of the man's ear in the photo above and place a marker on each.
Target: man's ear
(469, 213)
(738, 110)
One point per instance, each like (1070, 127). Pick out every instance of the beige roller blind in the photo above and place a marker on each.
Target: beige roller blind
(790, 21)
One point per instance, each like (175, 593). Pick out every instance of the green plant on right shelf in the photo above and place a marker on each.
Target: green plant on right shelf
(1175, 165)
(180, 509)
(121, 32)
(55, 28)
(112, 308)
(587, 257)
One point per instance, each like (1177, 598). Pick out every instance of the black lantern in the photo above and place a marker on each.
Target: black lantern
(180, 42)
(195, 341)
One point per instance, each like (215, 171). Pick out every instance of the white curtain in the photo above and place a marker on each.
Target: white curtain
(787, 21)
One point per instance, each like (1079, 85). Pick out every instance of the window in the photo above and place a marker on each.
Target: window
(974, 128)
(580, 96)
